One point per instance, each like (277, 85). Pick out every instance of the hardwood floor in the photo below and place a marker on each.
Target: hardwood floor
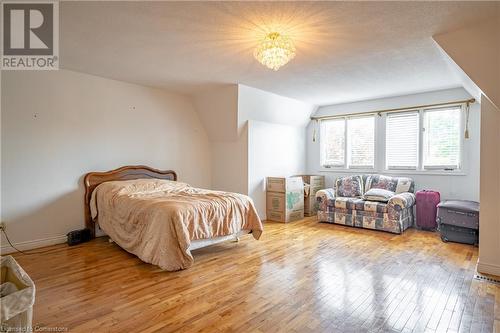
(300, 277)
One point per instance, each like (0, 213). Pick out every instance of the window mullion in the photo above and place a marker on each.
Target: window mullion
(346, 144)
(381, 143)
(461, 148)
(421, 128)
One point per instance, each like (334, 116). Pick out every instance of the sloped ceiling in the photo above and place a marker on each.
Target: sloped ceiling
(218, 111)
(345, 50)
(476, 52)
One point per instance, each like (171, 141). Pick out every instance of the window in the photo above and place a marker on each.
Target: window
(333, 142)
(401, 139)
(361, 142)
(442, 138)
(348, 139)
(419, 140)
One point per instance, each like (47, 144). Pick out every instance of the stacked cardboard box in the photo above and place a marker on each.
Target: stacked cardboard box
(315, 183)
(285, 199)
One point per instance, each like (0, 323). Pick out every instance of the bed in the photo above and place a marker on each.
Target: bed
(149, 213)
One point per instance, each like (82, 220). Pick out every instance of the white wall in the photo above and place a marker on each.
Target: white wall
(256, 104)
(59, 125)
(273, 150)
(276, 138)
(218, 110)
(450, 186)
(225, 111)
(489, 235)
(230, 164)
(1, 165)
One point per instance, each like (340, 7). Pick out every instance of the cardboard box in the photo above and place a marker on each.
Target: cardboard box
(315, 183)
(310, 205)
(314, 180)
(285, 207)
(285, 199)
(310, 208)
(284, 184)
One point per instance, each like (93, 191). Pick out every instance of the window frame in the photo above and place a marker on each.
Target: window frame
(380, 147)
(448, 168)
(321, 152)
(346, 166)
(347, 144)
(419, 131)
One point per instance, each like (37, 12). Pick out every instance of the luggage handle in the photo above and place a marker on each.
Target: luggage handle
(461, 213)
(456, 212)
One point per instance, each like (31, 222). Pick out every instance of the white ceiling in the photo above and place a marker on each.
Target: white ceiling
(346, 51)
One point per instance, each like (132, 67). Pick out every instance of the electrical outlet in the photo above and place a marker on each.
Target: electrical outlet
(3, 226)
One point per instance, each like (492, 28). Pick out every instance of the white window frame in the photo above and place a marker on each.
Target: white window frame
(380, 164)
(335, 166)
(419, 142)
(461, 141)
(347, 144)
(346, 166)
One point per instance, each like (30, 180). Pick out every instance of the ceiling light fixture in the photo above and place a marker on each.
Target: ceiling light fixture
(274, 51)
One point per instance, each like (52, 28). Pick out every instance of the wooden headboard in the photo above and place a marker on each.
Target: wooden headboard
(92, 179)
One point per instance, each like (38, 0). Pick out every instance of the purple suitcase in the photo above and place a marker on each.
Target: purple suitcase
(427, 201)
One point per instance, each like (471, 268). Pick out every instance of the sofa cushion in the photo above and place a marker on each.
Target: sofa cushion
(349, 203)
(394, 184)
(351, 186)
(358, 204)
(378, 194)
(375, 207)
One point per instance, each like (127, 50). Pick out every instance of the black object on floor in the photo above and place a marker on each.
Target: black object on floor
(452, 233)
(78, 236)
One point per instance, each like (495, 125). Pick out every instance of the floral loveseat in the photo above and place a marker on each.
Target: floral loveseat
(345, 204)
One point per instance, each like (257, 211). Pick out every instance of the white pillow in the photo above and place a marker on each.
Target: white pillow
(378, 194)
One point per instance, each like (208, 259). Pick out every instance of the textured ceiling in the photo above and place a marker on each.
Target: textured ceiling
(346, 51)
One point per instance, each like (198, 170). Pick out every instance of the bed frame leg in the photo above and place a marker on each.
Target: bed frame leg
(236, 239)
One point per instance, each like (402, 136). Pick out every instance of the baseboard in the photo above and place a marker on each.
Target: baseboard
(488, 268)
(33, 244)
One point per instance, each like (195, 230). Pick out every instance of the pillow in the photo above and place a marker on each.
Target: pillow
(378, 194)
(349, 186)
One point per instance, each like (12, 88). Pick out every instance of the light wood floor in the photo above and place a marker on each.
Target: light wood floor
(300, 277)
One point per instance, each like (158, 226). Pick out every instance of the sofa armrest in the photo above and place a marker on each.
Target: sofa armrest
(401, 201)
(325, 198)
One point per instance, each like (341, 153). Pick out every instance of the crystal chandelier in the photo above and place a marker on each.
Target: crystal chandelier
(274, 51)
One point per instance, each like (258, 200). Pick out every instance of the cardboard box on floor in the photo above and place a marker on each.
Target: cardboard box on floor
(313, 180)
(315, 183)
(284, 199)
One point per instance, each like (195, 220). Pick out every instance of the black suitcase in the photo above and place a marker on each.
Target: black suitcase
(458, 221)
(452, 233)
